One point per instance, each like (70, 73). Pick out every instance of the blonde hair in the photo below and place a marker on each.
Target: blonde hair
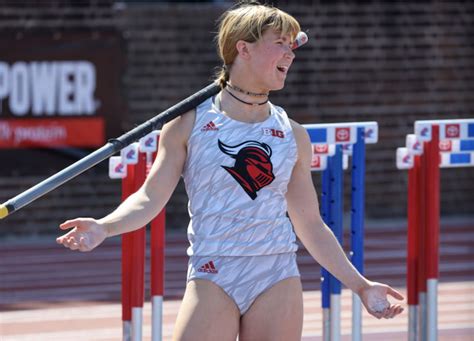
(248, 22)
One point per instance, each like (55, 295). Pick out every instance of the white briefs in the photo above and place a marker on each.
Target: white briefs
(243, 278)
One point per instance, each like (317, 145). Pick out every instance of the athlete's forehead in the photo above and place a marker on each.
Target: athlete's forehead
(275, 35)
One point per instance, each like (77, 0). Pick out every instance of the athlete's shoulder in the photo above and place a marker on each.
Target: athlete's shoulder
(302, 140)
(298, 130)
(279, 110)
(205, 106)
(180, 127)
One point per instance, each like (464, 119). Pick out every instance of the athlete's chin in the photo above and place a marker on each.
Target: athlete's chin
(278, 86)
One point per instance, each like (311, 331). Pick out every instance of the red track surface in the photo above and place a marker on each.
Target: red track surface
(50, 293)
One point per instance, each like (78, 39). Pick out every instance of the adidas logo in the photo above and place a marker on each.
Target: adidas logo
(209, 126)
(208, 267)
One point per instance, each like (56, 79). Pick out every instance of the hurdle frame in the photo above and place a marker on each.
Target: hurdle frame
(358, 134)
(138, 158)
(423, 157)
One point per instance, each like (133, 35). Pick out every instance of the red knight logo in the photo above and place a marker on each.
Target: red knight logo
(253, 168)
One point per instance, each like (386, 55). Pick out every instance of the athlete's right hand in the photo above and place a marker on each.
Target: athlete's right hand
(87, 233)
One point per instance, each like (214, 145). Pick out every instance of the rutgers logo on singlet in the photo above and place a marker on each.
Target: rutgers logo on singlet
(253, 168)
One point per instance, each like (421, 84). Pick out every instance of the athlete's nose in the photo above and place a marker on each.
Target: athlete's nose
(289, 53)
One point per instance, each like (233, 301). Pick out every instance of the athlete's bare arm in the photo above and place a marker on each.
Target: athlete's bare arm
(142, 206)
(303, 209)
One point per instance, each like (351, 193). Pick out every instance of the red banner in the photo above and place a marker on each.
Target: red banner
(67, 132)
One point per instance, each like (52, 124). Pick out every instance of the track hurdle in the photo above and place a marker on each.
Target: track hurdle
(332, 144)
(149, 145)
(435, 144)
(132, 167)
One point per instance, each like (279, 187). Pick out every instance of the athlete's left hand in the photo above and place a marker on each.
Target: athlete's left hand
(374, 298)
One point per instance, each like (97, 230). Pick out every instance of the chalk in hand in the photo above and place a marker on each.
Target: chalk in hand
(379, 306)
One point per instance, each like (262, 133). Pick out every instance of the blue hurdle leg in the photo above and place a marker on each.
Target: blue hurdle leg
(325, 279)
(336, 212)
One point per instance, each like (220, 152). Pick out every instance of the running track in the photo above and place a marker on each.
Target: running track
(50, 293)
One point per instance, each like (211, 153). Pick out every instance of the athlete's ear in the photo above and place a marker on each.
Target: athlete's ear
(243, 49)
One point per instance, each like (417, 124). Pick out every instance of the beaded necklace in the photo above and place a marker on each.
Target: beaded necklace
(242, 101)
(249, 93)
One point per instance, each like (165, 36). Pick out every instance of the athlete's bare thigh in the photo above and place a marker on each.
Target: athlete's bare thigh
(277, 314)
(206, 311)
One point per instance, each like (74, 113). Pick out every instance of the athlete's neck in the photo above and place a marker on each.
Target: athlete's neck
(238, 111)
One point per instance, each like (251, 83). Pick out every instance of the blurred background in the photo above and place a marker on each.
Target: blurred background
(76, 73)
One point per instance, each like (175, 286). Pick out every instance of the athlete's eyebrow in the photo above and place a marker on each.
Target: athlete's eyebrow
(286, 39)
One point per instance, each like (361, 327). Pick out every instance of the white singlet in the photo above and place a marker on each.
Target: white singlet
(236, 177)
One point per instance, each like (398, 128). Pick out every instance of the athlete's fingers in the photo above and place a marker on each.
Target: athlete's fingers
(395, 310)
(394, 293)
(82, 245)
(74, 246)
(61, 239)
(399, 309)
(70, 241)
(69, 223)
(65, 242)
(390, 312)
(377, 314)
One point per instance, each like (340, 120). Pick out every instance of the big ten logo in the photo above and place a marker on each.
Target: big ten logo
(273, 132)
(320, 148)
(453, 130)
(343, 134)
(445, 145)
(48, 88)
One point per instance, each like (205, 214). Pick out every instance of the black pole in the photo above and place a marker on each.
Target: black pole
(109, 149)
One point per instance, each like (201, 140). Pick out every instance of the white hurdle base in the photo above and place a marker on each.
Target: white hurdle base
(326, 324)
(432, 309)
(335, 317)
(137, 323)
(412, 322)
(156, 318)
(126, 331)
(356, 318)
(422, 317)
